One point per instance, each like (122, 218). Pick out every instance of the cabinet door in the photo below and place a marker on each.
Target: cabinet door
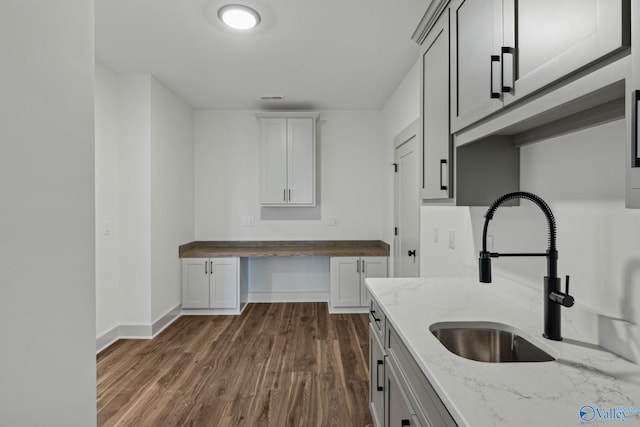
(436, 135)
(345, 281)
(373, 266)
(633, 108)
(224, 283)
(195, 282)
(399, 411)
(301, 162)
(476, 27)
(273, 161)
(377, 360)
(549, 39)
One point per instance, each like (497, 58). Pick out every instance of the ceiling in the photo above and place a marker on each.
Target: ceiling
(319, 55)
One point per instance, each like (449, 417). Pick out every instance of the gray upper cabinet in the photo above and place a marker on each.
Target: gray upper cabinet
(475, 67)
(437, 168)
(505, 50)
(546, 40)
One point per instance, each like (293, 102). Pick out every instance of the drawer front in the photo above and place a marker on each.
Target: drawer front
(377, 366)
(427, 404)
(377, 319)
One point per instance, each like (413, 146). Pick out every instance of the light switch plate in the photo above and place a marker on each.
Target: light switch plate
(331, 221)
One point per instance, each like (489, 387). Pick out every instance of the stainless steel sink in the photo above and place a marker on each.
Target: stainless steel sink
(487, 342)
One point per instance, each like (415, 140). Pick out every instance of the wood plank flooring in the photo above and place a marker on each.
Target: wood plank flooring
(289, 364)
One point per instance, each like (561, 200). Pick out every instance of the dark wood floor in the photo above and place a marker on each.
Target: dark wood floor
(275, 365)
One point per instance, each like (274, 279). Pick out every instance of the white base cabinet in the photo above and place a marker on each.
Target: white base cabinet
(348, 292)
(217, 284)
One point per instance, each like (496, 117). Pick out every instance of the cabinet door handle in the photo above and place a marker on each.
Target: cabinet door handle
(373, 314)
(506, 50)
(358, 266)
(289, 195)
(492, 94)
(378, 386)
(405, 423)
(284, 195)
(362, 266)
(442, 186)
(635, 99)
(206, 263)
(211, 268)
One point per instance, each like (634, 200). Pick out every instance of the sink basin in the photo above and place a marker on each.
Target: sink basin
(487, 342)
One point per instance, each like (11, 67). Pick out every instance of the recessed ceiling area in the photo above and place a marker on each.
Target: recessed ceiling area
(324, 55)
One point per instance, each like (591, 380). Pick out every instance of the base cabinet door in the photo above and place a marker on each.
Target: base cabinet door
(224, 283)
(399, 411)
(211, 283)
(347, 287)
(195, 283)
(377, 361)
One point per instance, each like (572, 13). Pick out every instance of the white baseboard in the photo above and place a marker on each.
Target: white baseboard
(310, 296)
(141, 331)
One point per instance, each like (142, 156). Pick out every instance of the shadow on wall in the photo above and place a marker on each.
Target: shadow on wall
(622, 336)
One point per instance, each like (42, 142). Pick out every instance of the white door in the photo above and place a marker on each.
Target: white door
(224, 283)
(195, 282)
(300, 162)
(345, 281)
(407, 204)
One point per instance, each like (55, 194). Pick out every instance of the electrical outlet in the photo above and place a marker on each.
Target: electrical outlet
(452, 239)
(331, 221)
(435, 235)
(247, 221)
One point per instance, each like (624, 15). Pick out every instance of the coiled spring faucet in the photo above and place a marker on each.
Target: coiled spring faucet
(553, 297)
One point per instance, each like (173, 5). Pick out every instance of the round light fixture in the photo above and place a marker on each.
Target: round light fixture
(239, 17)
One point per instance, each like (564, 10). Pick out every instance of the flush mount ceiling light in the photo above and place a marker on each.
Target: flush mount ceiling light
(239, 17)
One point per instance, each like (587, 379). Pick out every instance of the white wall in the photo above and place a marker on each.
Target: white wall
(402, 108)
(582, 178)
(349, 152)
(107, 195)
(144, 189)
(172, 204)
(47, 245)
(134, 169)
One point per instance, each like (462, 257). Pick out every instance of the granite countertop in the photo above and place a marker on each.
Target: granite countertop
(212, 249)
(481, 394)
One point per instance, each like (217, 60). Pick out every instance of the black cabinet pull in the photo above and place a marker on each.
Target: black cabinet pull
(442, 186)
(412, 253)
(405, 423)
(284, 195)
(363, 266)
(635, 99)
(378, 386)
(503, 51)
(492, 94)
(373, 314)
(206, 263)
(289, 195)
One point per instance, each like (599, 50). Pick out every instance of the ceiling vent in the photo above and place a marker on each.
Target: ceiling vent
(271, 98)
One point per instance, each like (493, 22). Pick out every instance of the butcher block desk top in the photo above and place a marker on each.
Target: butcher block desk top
(216, 249)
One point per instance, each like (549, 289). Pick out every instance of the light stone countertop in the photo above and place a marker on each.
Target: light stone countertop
(481, 394)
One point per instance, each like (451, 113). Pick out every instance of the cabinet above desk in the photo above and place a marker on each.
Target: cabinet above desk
(276, 248)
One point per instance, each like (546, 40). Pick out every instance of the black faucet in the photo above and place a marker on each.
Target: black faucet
(553, 298)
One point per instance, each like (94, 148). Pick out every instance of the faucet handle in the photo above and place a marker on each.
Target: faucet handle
(567, 299)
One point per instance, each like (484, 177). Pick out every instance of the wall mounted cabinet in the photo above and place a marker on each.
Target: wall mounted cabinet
(287, 159)
(213, 283)
(505, 50)
(633, 107)
(437, 156)
(347, 288)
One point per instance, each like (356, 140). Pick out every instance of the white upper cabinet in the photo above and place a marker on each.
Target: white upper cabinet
(287, 159)
(505, 50)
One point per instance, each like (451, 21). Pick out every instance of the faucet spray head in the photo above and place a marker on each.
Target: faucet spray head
(484, 263)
